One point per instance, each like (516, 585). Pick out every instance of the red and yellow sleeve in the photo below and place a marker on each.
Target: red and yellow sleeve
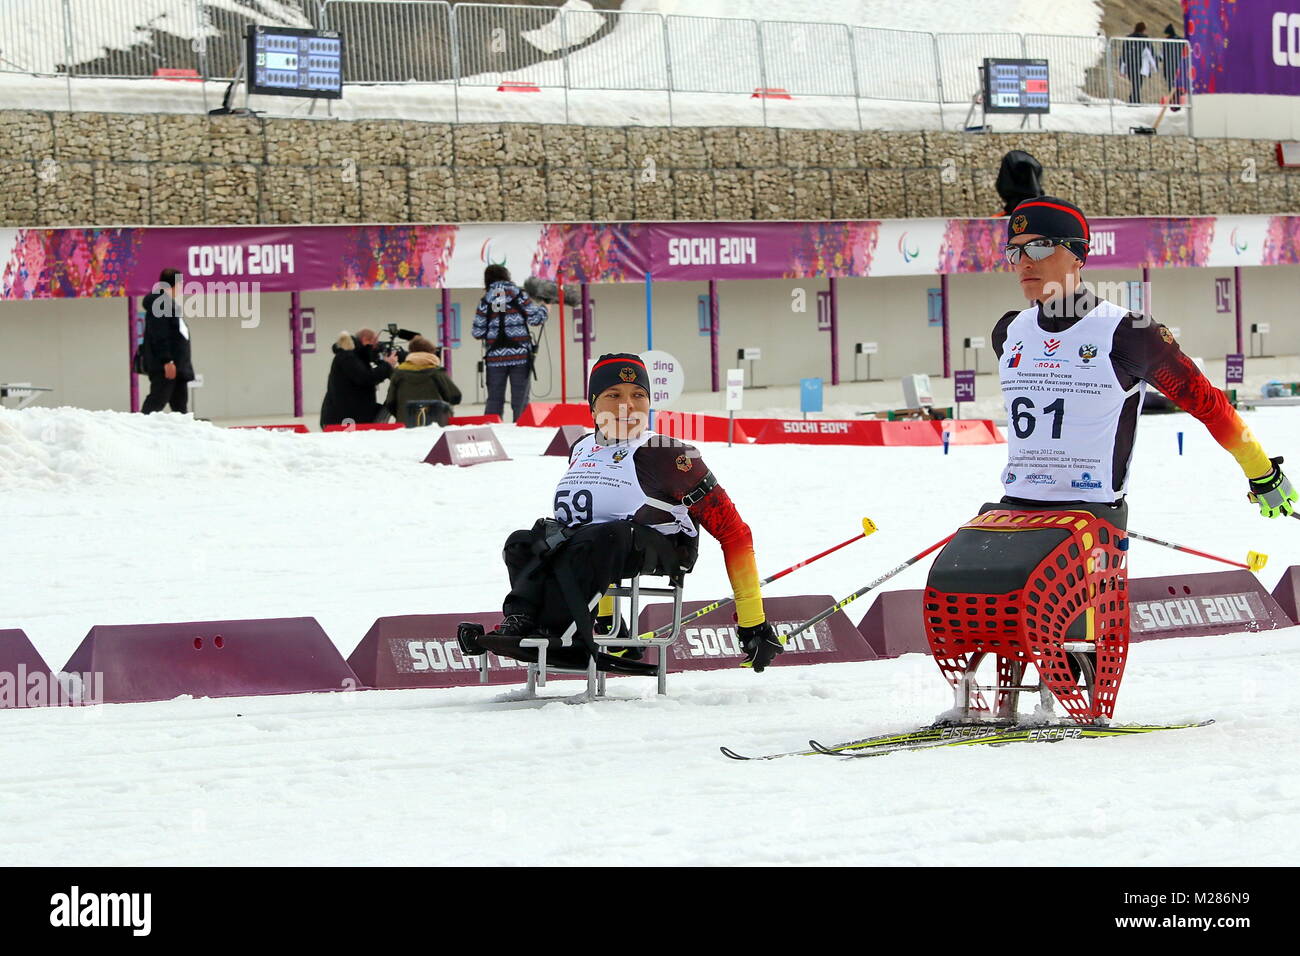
(1186, 386)
(718, 516)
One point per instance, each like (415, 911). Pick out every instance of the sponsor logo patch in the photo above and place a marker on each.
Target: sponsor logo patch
(1050, 346)
(1087, 352)
(1085, 481)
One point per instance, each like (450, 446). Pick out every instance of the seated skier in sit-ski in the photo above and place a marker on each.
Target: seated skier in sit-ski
(630, 503)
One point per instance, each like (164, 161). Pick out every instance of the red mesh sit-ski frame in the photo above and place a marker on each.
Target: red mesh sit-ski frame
(1086, 572)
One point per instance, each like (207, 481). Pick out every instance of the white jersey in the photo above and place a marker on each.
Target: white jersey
(608, 483)
(1064, 403)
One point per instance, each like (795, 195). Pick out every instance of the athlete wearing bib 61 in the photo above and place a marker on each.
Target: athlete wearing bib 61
(1074, 369)
(631, 502)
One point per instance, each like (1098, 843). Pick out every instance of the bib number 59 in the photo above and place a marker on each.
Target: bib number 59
(573, 510)
(1024, 421)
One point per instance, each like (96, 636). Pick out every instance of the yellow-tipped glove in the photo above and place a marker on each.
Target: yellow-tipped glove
(1274, 493)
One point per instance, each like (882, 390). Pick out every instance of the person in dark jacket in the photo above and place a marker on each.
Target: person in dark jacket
(420, 378)
(1137, 60)
(501, 322)
(166, 347)
(355, 373)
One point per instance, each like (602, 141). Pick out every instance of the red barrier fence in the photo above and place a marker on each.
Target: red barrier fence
(710, 642)
(25, 679)
(140, 662)
(122, 663)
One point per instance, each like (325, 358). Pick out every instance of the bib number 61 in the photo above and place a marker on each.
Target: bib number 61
(1024, 421)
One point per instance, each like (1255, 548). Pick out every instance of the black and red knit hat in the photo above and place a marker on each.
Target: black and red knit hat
(1054, 218)
(616, 368)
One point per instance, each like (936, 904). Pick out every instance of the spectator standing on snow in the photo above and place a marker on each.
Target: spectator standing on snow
(501, 322)
(165, 352)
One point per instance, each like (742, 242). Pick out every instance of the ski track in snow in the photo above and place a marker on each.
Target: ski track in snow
(349, 527)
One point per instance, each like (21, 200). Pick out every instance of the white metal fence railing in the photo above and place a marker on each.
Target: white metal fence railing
(633, 55)
(476, 45)
(1146, 72)
(1078, 68)
(397, 41)
(896, 64)
(961, 54)
(714, 55)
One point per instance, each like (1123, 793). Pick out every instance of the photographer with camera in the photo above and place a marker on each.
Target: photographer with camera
(420, 392)
(501, 322)
(359, 366)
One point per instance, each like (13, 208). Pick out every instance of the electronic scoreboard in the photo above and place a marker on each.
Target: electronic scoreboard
(285, 61)
(1016, 86)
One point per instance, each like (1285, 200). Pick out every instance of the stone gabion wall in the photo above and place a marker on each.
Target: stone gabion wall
(123, 169)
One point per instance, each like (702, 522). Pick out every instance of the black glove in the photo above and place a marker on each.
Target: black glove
(1273, 492)
(760, 644)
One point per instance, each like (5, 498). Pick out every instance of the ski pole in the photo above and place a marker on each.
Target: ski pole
(839, 605)
(1254, 560)
(868, 527)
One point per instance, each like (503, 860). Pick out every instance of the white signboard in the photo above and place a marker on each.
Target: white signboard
(667, 378)
(735, 389)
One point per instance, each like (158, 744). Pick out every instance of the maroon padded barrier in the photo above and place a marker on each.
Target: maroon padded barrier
(212, 659)
(466, 446)
(893, 625)
(710, 642)
(25, 679)
(564, 438)
(1186, 605)
(420, 650)
(1287, 592)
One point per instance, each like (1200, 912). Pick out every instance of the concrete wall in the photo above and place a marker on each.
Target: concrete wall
(1255, 117)
(79, 347)
(122, 169)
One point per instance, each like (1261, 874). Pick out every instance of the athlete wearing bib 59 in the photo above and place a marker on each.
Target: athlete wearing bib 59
(631, 502)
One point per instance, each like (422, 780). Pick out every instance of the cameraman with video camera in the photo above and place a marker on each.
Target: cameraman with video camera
(501, 322)
(359, 366)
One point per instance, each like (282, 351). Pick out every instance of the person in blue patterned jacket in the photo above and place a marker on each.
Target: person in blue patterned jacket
(501, 322)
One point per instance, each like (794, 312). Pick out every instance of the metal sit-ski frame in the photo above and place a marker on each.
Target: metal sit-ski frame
(616, 638)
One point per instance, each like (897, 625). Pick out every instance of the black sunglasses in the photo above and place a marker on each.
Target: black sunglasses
(1037, 249)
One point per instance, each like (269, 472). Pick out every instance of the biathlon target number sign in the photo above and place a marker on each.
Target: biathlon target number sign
(1016, 86)
(283, 61)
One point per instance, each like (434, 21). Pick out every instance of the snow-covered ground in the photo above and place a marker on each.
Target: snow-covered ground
(111, 518)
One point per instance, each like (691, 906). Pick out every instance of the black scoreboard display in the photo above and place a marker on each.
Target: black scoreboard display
(284, 61)
(1016, 86)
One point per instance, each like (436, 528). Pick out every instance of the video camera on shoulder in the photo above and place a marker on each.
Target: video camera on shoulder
(389, 346)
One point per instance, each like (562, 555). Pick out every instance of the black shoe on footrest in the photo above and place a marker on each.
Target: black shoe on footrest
(467, 636)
